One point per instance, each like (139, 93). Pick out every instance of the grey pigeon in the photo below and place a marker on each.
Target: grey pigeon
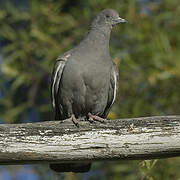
(84, 80)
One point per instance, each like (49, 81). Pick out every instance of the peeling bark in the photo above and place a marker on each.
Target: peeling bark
(55, 141)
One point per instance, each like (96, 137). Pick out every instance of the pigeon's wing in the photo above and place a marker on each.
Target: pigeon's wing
(56, 78)
(113, 87)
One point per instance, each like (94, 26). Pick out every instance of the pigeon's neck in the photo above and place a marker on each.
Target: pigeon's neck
(99, 38)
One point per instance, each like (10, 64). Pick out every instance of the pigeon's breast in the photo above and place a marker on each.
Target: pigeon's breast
(85, 86)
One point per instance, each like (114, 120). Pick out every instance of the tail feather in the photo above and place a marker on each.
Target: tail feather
(71, 167)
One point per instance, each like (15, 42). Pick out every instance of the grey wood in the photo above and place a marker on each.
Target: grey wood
(57, 141)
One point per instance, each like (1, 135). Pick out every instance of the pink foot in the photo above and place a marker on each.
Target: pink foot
(74, 120)
(93, 118)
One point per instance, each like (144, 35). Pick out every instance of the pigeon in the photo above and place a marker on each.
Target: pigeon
(85, 80)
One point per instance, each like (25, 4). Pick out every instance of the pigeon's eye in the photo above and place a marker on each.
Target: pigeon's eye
(107, 16)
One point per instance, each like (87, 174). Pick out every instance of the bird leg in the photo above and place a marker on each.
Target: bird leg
(74, 120)
(93, 118)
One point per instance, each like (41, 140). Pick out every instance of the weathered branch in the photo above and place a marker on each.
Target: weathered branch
(54, 141)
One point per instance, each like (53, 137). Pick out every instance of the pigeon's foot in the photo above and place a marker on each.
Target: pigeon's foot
(93, 118)
(74, 120)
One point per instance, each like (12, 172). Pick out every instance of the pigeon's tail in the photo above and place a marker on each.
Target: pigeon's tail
(71, 167)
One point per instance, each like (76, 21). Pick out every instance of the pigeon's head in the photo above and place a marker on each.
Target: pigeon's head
(107, 18)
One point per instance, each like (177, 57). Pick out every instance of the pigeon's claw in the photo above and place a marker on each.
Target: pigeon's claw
(93, 118)
(74, 120)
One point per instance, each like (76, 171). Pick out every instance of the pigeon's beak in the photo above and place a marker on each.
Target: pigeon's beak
(119, 20)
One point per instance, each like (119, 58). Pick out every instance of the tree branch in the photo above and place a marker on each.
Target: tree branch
(55, 141)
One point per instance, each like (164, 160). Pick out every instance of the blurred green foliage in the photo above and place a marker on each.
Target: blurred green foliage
(147, 51)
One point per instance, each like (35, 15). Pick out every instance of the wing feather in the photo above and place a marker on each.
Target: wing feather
(56, 77)
(113, 87)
